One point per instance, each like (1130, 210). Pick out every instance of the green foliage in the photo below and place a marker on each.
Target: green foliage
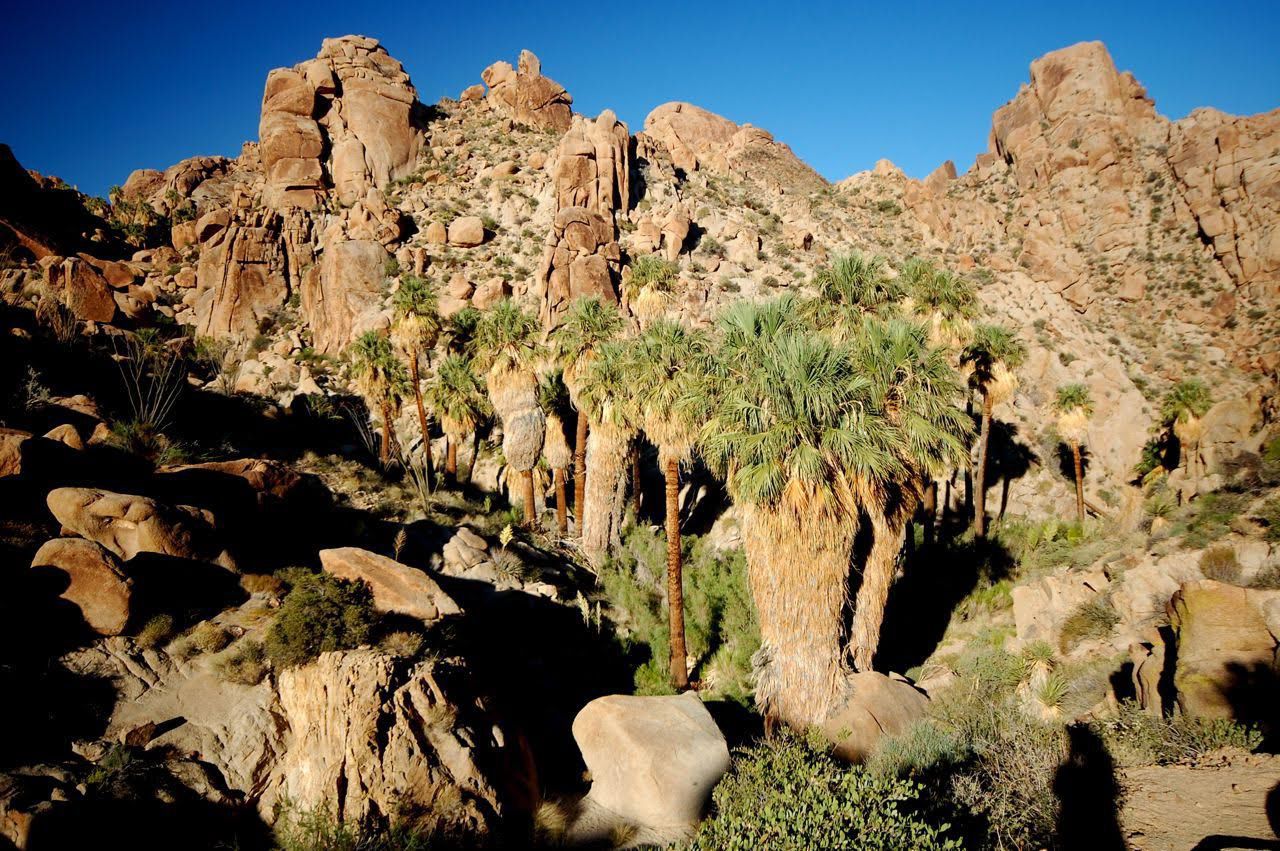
(1074, 396)
(1094, 618)
(319, 829)
(787, 795)
(320, 613)
(1135, 737)
(720, 622)
(507, 338)
(208, 637)
(992, 346)
(654, 272)
(1188, 399)
(380, 374)
(1210, 516)
(1269, 514)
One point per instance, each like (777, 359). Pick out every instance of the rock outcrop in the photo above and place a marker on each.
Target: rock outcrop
(878, 706)
(96, 583)
(396, 587)
(527, 96)
(127, 525)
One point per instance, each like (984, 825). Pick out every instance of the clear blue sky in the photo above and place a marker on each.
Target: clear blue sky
(95, 90)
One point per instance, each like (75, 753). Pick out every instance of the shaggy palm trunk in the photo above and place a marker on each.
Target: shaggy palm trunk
(889, 530)
(1075, 456)
(451, 458)
(675, 578)
(562, 502)
(580, 473)
(607, 458)
(530, 506)
(422, 422)
(980, 470)
(798, 569)
(636, 487)
(388, 435)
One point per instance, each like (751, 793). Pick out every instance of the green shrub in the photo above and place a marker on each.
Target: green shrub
(320, 830)
(1135, 737)
(1211, 516)
(320, 613)
(246, 664)
(787, 795)
(1269, 514)
(1220, 563)
(157, 631)
(1094, 618)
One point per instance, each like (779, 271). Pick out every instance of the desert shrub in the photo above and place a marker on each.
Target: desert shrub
(262, 583)
(320, 613)
(208, 637)
(156, 632)
(1210, 517)
(320, 830)
(786, 794)
(1220, 563)
(1269, 514)
(246, 664)
(653, 271)
(1094, 618)
(1135, 737)
(402, 642)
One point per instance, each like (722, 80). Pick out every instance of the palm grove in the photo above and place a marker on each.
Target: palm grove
(824, 416)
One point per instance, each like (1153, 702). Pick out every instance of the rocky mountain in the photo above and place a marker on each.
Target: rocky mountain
(1127, 250)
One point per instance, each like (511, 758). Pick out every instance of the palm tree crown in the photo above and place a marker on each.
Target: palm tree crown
(507, 339)
(379, 374)
(456, 394)
(666, 385)
(1187, 400)
(854, 283)
(417, 323)
(992, 354)
(587, 323)
(947, 300)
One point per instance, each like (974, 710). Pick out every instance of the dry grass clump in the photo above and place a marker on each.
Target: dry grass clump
(246, 664)
(1220, 563)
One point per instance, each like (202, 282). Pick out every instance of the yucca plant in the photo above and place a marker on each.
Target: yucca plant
(668, 391)
(587, 324)
(1074, 405)
(457, 395)
(1181, 410)
(382, 380)
(508, 349)
(992, 356)
(415, 328)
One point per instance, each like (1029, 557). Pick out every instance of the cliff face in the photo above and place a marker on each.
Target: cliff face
(1131, 250)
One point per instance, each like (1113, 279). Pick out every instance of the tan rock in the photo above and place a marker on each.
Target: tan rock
(396, 587)
(11, 443)
(878, 706)
(97, 584)
(466, 232)
(340, 298)
(436, 234)
(527, 96)
(65, 434)
(490, 293)
(127, 525)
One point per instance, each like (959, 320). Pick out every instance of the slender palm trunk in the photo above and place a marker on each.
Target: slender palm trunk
(562, 502)
(530, 506)
(1193, 462)
(388, 435)
(675, 578)
(1075, 456)
(980, 470)
(475, 456)
(422, 422)
(930, 512)
(451, 458)
(580, 473)
(889, 530)
(798, 569)
(637, 489)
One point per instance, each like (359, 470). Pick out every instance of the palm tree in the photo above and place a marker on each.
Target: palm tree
(788, 427)
(587, 324)
(1075, 405)
(992, 356)
(945, 300)
(382, 380)
(851, 285)
(456, 394)
(605, 392)
(415, 330)
(1183, 406)
(913, 391)
(508, 350)
(553, 398)
(666, 388)
(649, 285)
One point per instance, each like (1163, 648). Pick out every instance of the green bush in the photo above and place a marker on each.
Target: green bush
(208, 637)
(1092, 619)
(320, 830)
(787, 795)
(320, 613)
(1210, 517)
(1135, 737)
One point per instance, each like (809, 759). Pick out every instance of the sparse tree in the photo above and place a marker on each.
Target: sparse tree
(1074, 405)
(415, 330)
(991, 356)
(457, 396)
(382, 380)
(1181, 410)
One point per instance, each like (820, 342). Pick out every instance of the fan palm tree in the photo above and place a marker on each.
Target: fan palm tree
(587, 324)
(508, 350)
(787, 424)
(381, 379)
(649, 285)
(914, 391)
(457, 396)
(853, 284)
(1181, 410)
(553, 397)
(1075, 405)
(667, 388)
(945, 300)
(992, 356)
(415, 329)
(606, 392)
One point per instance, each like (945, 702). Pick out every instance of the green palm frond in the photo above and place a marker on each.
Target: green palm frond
(668, 386)
(853, 284)
(607, 385)
(1188, 399)
(378, 372)
(457, 396)
(1072, 397)
(416, 320)
(507, 339)
(992, 346)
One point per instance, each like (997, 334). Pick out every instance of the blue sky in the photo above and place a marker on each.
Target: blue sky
(96, 90)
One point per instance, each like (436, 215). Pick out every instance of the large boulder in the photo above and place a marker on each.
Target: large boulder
(878, 706)
(653, 760)
(127, 524)
(397, 588)
(11, 443)
(240, 278)
(82, 289)
(1227, 640)
(527, 96)
(339, 297)
(96, 583)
